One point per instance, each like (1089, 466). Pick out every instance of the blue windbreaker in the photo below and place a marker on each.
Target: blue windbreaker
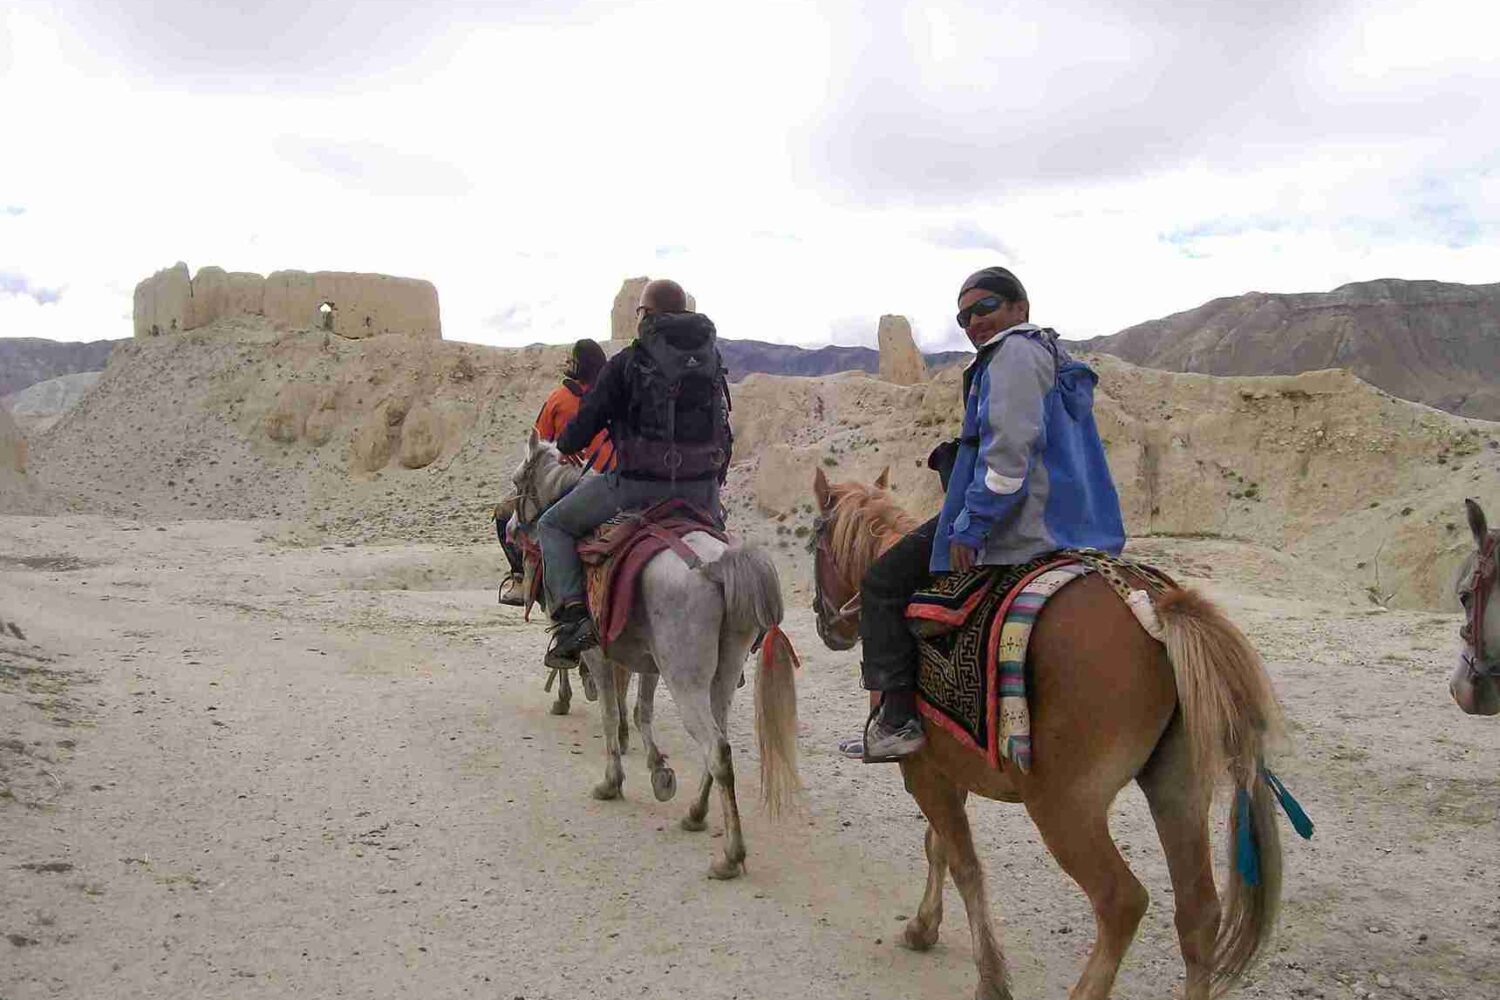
(1030, 476)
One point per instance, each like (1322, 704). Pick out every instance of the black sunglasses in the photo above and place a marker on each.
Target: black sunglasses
(983, 307)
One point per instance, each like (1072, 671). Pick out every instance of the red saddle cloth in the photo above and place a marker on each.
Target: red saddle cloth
(619, 549)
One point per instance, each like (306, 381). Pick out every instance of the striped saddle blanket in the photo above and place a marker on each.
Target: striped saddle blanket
(973, 630)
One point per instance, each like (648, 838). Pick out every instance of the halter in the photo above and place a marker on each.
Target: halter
(829, 616)
(1481, 583)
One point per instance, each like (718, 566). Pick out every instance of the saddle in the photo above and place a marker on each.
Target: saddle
(973, 630)
(616, 552)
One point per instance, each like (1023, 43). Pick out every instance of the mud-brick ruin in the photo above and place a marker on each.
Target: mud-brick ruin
(350, 305)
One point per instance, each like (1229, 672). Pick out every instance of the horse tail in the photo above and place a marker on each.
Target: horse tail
(752, 604)
(1230, 715)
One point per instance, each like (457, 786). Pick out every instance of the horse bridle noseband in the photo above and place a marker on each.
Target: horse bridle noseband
(1480, 585)
(828, 615)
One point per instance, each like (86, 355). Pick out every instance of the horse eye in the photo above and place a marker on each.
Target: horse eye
(1464, 597)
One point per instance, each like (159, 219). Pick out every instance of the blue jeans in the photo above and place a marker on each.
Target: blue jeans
(593, 501)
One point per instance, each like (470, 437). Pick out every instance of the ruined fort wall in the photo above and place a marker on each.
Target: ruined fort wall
(360, 305)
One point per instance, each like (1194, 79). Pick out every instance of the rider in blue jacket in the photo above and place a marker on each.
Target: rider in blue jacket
(1029, 478)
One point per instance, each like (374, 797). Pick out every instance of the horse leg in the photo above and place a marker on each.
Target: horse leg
(610, 711)
(942, 802)
(622, 696)
(663, 778)
(696, 820)
(922, 930)
(1075, 828)
(1180, 803)
(733, 649)
(564, 693)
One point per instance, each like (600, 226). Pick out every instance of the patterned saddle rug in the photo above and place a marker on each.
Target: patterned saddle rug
(973, 631)
(619, 549)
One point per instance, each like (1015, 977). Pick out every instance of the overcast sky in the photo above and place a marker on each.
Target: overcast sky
(800, 167)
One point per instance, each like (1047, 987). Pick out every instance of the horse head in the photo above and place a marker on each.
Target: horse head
(542, 478)
(855, 524)
(1475, 684)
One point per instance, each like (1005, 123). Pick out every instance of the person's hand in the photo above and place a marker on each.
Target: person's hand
(961, 558)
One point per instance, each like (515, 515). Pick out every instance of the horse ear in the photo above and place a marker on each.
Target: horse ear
(1477, 522)
(532, 441)
(822, 490)
(883, 481)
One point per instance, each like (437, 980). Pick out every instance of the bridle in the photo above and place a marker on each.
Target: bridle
(1480, 585)
(832, 619)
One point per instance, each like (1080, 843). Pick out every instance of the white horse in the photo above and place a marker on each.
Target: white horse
(694, 628)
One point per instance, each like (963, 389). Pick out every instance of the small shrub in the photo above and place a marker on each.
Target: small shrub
(829, 460)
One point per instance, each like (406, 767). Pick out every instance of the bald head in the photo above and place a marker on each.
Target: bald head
(664, 296)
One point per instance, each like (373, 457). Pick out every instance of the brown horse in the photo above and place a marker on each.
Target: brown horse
(1476, 679)
(1109, 704)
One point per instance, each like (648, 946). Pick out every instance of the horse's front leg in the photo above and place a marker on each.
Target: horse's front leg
(611, 714)
(922, 930)
(564, 693)
(622, 698)
(663, 778)
(942, 802)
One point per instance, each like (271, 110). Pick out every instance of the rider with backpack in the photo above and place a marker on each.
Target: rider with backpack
(665, 402)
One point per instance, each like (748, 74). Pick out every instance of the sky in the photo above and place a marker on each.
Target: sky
(802, 168)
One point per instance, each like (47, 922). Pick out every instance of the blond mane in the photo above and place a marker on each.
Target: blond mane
(864, 522)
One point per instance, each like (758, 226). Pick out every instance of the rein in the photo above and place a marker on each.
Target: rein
(829, 615)
(1481, 584)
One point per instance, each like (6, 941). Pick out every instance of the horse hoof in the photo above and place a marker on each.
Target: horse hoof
(664, 783)
(918, 937)
(606, 792)
(693, 825)
(724, 869)
(559, 707)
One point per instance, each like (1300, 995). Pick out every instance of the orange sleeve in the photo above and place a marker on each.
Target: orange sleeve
(553, 418)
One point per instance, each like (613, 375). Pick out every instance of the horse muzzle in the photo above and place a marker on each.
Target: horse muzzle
(1474, 686)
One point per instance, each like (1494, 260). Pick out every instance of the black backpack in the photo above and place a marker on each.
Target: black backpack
(677, 420)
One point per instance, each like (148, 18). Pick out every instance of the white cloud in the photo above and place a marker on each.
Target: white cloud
(801, 168)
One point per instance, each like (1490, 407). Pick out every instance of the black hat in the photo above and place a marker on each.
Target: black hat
(997, 280)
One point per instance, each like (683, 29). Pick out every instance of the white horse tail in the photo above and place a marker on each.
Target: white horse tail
(752, 604)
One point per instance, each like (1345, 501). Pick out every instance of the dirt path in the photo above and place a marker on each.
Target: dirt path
(232, 768)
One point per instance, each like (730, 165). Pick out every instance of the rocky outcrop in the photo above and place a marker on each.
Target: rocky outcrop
(347, 304)
(900, 361)
(1426, 341)
(747, 357)
(622, 319)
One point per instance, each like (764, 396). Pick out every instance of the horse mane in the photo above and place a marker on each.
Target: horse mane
(865, 522)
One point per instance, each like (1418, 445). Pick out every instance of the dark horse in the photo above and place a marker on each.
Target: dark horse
(1109, 704)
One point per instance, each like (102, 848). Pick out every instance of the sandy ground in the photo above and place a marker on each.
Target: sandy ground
(237, 767)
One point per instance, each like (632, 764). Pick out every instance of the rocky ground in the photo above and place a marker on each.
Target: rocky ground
(240, 762)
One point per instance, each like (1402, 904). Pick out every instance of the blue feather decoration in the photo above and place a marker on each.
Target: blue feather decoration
(1301, 822)
(1246, 850)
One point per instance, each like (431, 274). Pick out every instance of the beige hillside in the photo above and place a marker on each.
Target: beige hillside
(398, 437)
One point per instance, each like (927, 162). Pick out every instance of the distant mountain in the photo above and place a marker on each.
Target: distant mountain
(746, 356)
(25, 361)
(1427, 341)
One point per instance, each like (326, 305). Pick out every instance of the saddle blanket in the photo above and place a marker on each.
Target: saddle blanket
(619, 549)
(973, 632)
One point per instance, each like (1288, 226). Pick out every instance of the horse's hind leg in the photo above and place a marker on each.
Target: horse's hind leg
(1180, 804)
(663, 778)
(1075, 827)
(696, 819)
(622, 693)
(922, 930)
(942, 802)
(564, 693)
(610, 711)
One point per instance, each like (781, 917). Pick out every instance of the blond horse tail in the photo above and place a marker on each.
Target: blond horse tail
(1230, 715)
(752, 603)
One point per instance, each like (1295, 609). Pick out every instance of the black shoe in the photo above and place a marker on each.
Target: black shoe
(573, 633)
